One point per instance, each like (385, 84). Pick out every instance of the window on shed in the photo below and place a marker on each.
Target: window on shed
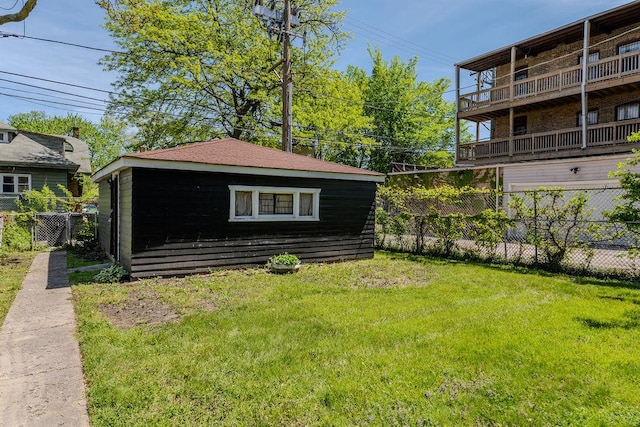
(628, 111)
(273, 203)
(243, 203)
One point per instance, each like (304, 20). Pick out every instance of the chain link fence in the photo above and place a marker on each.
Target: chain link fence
(559, 229)
(55, 227)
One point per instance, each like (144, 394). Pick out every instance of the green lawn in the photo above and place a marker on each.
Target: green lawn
(13, 268)
(390, 341)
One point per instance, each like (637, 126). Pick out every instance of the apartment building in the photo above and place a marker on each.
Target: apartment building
(543, 115)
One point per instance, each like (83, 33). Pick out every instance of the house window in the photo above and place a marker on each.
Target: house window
(628, 111)
(629, 63)
(1, 136)
(15, 184)
(592, 71)
(520, 125)
(273, 203)
(520, 89)
(592, 118)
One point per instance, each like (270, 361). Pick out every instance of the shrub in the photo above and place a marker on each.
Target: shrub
(16, 235)
(285, 259)
(112, 274)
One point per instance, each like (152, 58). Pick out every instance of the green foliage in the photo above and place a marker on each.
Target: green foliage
(85, 243)
(330, 118)
(285, 259)
(113, 274)
(412, 122)
(16, 235)
(193, 70)
(627, 211)
(488, 230)
(438, 212)
(45, 200)
(556, 225)
(106, 140)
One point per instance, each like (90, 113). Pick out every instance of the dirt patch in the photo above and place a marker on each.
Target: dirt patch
(140, 308)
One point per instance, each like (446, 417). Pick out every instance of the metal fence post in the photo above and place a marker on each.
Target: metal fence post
(535, 225)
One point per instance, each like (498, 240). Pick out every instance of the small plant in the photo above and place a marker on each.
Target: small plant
(285, 259)
(113, 274)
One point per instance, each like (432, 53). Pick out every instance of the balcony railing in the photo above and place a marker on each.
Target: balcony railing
(563, 140)
(554, 82)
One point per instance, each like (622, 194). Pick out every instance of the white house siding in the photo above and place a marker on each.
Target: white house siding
(592, 174)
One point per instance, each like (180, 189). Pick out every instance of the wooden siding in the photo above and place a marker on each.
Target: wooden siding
(181, 223)
(104, 208)
(41, 177)
(125, 217)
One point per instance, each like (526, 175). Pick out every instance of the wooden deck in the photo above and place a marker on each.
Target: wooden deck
(601, 139)
(603, 74)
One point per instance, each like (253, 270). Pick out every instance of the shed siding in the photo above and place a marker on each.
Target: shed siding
(182, 223)
(125, 217)
(104, 206)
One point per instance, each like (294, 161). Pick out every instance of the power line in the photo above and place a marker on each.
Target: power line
(21, 36)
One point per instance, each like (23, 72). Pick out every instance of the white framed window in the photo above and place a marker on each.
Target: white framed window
(14, 184)
(252, 203)
(592, 118)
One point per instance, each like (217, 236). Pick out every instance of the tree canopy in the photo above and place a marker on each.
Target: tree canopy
(193, 70)
(412, 122)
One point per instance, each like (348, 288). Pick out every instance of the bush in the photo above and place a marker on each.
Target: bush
(85, 243)
(16, 236)
(285, 259)
(113, 274)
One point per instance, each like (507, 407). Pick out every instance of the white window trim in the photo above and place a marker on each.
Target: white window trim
(15, 182)
(255, 203)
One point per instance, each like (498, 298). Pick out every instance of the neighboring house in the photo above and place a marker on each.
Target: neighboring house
(228, 203)
(30, 161)
(554, 119)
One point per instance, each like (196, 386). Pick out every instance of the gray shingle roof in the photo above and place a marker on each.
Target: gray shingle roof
(23, 151)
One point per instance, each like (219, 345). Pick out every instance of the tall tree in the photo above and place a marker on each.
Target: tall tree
(21, 15)
(330, 119)
(412, 122)
(194, 69)
(106, 140)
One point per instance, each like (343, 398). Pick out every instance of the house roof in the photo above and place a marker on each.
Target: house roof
(69, 147)
(602, 22)
(4, 126)
(232, 155)
(25, 152)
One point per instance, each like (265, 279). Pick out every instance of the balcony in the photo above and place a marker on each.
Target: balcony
(603, 138)
(565, 82)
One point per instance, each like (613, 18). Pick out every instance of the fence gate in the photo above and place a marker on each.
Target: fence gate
(56, 229)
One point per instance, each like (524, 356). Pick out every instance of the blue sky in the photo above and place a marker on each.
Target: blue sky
(439, 32)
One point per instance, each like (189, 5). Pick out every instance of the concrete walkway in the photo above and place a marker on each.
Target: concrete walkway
(41, 379)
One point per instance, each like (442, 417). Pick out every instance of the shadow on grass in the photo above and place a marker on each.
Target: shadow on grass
(631, 320)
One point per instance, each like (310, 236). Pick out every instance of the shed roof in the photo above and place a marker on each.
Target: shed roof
(602, 22)
(232, 155)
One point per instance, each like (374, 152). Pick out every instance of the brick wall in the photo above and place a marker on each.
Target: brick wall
(567, 55)
(566, 116)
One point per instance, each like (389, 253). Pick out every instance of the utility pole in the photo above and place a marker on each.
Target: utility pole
(281, 23)
(287, 85)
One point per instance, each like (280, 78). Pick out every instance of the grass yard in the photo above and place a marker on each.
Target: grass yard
(13, 268)
(391, 341)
